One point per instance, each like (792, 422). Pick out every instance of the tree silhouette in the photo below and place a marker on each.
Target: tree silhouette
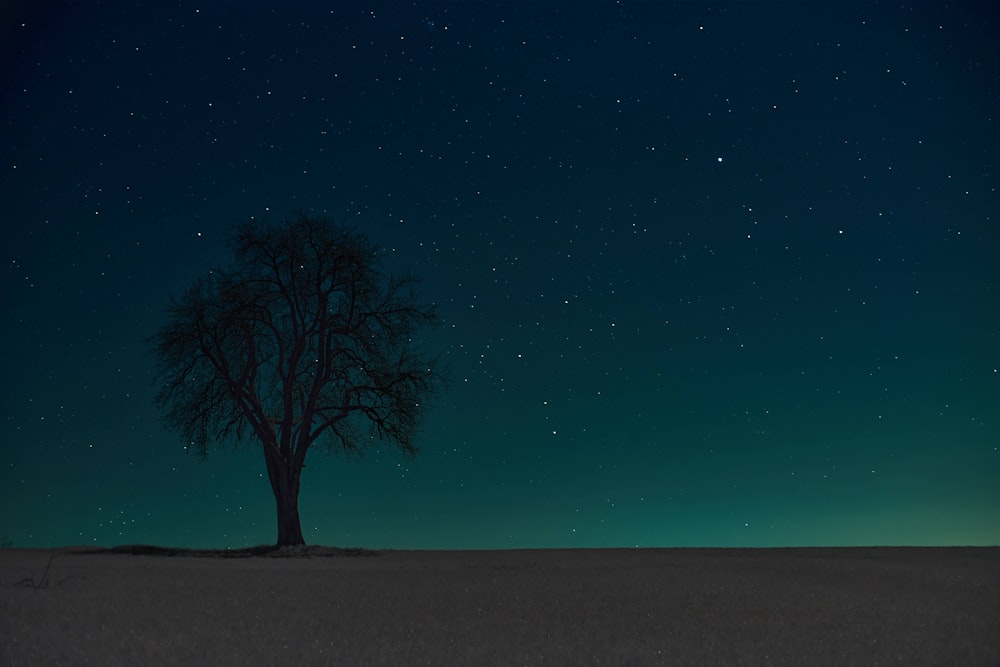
(302, 340)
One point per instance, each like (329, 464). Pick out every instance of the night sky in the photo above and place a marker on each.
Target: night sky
(708, 274)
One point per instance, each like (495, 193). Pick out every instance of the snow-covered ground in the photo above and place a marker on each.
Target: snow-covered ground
(547, 607)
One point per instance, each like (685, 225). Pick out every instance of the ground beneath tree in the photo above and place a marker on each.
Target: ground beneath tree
(261, 551)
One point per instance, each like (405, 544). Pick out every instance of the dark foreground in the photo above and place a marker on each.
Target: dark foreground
(891, 606)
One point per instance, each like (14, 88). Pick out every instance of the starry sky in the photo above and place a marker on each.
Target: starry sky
(709, 274)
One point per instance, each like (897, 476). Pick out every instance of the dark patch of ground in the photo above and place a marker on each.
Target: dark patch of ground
(261, 551)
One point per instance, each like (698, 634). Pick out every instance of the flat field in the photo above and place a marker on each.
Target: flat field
(806, 606)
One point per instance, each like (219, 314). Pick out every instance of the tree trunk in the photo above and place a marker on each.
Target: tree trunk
(289, 527)
(286, 496)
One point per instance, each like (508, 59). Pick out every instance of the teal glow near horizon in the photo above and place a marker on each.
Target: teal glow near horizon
(709, 275)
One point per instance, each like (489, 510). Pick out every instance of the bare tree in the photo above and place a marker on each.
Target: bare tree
(302, 340)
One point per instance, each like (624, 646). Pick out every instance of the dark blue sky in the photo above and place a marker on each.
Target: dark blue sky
(709, 274)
